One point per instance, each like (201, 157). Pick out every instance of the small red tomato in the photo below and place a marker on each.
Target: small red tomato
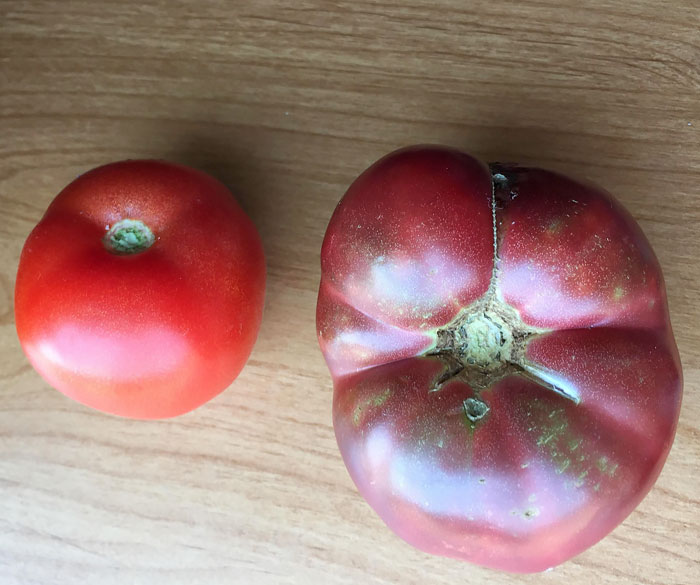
(506, 382)
(140, 292)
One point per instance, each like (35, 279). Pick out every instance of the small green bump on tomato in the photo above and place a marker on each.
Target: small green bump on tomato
(580, 480)
(374, 401)
(382, 398)
(575, 444)
(605, 467)
(128, 236)
(475, 409)
(563, 466)
(555, 226)
(357, 415)
(528, 513)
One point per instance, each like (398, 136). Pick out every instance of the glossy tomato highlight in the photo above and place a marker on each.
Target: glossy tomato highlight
(140, 292)
(506, 382)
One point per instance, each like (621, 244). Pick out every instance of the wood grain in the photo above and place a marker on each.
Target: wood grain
(287, 103)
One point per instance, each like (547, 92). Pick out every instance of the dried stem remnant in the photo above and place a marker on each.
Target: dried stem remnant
(487, 341)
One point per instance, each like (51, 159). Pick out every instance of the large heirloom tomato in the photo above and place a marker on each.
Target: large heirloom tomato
(140, 292)
(506, 382)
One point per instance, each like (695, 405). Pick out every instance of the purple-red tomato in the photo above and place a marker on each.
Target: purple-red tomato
(506, 382)
(140, 292)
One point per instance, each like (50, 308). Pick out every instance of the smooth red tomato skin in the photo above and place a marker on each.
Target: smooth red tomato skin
(152, 334)
(570, 442)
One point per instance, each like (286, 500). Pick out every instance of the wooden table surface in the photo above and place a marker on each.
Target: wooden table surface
(286, 103)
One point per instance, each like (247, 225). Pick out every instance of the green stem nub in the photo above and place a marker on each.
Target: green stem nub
(475, 409)
(128, 236)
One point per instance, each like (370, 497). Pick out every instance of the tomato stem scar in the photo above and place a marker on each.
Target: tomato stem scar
(128, 236)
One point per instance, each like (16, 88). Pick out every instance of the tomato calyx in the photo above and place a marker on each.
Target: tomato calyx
(128, 236)
(487, 341)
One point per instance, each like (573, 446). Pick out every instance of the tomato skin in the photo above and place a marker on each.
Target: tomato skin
(152, 334)
(569, 436)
